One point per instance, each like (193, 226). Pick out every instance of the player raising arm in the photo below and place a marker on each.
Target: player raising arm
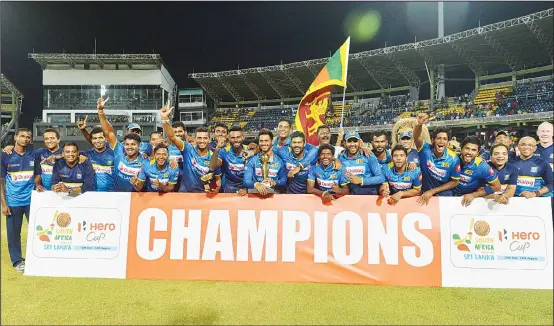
(196, 175)
(440, 167)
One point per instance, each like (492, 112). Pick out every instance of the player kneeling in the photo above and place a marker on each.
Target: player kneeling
(158, 175)
(400, 182)
(324, 179)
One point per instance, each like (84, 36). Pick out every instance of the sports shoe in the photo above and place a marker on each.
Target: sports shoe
(20, 268)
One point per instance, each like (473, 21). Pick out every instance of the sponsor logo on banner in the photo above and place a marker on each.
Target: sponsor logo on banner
(498, 242)
(74, 233)
(285, 238)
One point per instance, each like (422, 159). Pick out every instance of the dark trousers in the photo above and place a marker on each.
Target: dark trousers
(13, 224)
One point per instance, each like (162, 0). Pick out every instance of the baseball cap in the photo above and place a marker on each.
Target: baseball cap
(132, 126)
(405, 134)
(501, 132)
(352, 134)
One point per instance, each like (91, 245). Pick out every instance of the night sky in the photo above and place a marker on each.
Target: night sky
(215, 36)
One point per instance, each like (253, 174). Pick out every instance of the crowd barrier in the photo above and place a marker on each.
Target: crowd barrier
(292, 238)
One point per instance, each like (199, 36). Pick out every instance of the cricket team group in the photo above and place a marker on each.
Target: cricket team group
(282, 164)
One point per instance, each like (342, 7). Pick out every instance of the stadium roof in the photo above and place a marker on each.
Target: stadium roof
(511, 45)
(6, 87)
(72, 59)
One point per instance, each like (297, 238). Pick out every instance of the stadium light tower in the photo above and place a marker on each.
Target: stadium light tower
(440, 90)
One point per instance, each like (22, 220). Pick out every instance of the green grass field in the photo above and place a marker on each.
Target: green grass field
(42, 300)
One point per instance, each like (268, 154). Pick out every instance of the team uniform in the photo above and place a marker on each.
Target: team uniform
(46, 167)
(474, 175)
(546, 154)
(485, 155)
(276, 144)
(506, 176)
(18, 171)
(534, 173)
(326, 177)
(386, 160)
(80, 175)
(401, 181)
(437, 171)
(368, 169)
(151, 171)
(297, 185)
(413, 156)
(253, 171)
(103, 166)
(232, 166)
(194, 167)
(125, 170)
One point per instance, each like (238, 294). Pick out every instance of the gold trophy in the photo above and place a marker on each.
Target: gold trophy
(209, 181)
(264, 159)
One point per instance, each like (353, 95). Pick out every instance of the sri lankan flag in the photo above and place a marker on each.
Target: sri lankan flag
(313, 106)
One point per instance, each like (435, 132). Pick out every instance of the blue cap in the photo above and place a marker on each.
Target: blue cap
(352, 134)
(405, 134)
(132, 126)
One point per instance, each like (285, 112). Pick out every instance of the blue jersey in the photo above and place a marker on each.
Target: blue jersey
(232, 167)
(175, 153)
(534, 174)
(546, 154)
(80, 175)
(103, 166)
(194, 167)
(485, 155)
(145, 148)
(437, 171)
(326, 177)
(46, 168)
(368, 169)
(276, 143)
(253, 171)
(151, 171)
(413, 156)
(386, 160)
(474, 175)
(297, 185)
(402, 181)
(506, 176)
(18, 170)
(125, 170)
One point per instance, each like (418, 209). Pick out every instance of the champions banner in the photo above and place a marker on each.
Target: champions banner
(285, 238)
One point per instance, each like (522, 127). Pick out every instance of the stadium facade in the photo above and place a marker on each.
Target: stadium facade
(137, 85)
(10, 109)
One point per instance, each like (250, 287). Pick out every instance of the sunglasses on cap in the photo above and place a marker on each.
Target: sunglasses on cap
(407, 135)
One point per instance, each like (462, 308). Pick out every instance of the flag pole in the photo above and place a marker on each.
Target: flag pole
(345, 82)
